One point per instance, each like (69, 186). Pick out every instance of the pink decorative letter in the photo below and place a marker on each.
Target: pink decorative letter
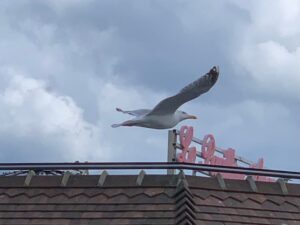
(208, 151)
(208, 148)
(188, 154)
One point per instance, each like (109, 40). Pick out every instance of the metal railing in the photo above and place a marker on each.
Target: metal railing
(146, 166)
(217, 149)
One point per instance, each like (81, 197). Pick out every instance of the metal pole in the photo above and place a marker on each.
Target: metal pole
(172, 140)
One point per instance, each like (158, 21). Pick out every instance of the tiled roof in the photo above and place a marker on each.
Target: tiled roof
(145, 199)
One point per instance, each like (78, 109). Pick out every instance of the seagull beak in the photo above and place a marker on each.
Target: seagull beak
(192, 117)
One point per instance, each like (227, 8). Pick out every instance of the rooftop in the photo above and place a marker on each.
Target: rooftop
(145, 199)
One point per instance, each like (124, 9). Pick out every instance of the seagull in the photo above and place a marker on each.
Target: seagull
(165, 114)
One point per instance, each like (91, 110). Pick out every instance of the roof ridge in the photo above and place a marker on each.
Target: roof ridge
(184, 203)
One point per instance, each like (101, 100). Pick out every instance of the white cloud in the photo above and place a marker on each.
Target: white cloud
(32, 115)
(273, 67)
(30, 112)
(270, 50)
(273, 19)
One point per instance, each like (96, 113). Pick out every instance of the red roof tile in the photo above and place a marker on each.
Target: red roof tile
(159, 199)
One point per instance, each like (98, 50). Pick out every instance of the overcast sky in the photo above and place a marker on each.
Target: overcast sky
(66, 64)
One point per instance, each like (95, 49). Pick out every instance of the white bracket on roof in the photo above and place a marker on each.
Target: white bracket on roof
(140, 178)
(65, 179)
(283, 187)
(102, 178)
(28, 178)
(221, 181)
(252, 183)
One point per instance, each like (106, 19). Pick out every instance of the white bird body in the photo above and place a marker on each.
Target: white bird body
(162, 121)
(153, 121)
(165, 114)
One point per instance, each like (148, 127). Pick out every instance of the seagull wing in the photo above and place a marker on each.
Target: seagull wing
(137, 113)
(189, 92)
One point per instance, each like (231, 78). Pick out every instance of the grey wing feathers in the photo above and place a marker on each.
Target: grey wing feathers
(138, 112)
(189, 92)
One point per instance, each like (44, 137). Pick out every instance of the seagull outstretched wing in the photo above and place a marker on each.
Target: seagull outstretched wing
(137, 113)
(189, 92)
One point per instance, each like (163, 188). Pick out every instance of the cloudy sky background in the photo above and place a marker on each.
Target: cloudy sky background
(66, 64)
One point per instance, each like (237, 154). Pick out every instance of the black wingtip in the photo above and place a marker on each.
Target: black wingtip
(214, 74)
(214, 70)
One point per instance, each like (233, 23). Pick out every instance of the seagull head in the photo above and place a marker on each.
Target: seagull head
(184, 116)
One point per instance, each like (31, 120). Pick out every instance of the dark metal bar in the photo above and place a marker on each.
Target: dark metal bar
(148, 165)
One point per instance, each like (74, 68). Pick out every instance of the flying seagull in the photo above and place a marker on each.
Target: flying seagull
(165, 114)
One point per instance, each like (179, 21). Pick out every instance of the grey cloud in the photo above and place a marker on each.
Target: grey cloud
(102, 54)
(150, 38)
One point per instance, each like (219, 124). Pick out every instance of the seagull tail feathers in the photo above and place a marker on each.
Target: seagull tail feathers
(119, 109)
(127, 123)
